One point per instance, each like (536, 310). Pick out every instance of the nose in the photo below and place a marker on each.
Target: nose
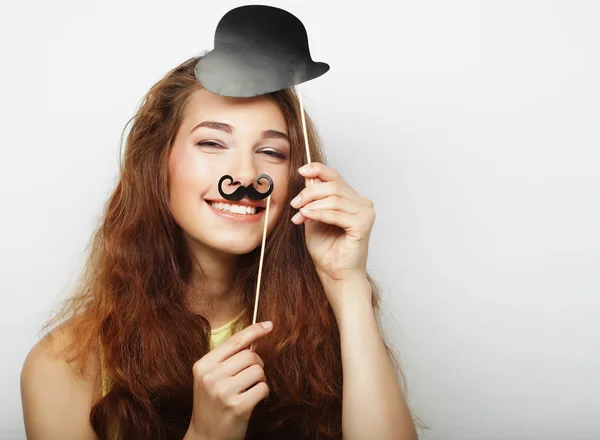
(243, 170)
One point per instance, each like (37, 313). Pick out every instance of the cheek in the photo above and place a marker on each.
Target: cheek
(281, 181)
(186, 176)
(279, 197)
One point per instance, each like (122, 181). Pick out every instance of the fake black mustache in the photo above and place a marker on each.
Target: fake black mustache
(245, 191)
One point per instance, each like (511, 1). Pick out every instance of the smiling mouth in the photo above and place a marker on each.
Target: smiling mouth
(232, 208)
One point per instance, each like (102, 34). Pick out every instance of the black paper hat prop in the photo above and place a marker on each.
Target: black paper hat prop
(258, 50)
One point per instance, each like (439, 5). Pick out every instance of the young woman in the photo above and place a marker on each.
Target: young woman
(155, 342)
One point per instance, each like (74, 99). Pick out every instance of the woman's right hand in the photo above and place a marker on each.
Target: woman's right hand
(228, 383)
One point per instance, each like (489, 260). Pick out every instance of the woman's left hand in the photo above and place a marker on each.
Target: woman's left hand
(338, 225)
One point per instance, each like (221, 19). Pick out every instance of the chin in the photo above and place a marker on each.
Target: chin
(235, 248)
(229, 243)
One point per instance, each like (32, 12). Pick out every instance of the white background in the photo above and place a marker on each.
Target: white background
(473, 126)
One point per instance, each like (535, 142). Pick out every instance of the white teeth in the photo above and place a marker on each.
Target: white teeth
(235, 209)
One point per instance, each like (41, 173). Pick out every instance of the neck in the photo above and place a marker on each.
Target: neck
(213, 293)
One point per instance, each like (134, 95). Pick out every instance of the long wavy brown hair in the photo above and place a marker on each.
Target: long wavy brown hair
(131, 299)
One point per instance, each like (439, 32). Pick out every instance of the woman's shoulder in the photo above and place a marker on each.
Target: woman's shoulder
(58, 393)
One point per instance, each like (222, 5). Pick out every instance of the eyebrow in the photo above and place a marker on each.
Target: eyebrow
(267, 134)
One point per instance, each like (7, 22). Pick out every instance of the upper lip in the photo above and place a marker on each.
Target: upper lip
(239, 202)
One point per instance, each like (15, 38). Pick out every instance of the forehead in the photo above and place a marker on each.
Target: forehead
(261, 112)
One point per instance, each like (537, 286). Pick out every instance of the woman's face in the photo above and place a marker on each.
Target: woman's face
(242, 137)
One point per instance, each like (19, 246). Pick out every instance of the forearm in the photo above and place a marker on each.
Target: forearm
(373, 406)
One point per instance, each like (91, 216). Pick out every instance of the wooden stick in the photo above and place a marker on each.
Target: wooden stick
(303, 117)
(260, 265)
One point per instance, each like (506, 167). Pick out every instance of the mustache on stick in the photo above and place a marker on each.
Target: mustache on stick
(245, 191)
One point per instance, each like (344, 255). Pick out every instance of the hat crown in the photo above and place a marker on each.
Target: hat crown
(275, 29)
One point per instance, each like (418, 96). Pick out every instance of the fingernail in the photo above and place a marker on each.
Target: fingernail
(267, 324)
(296, 218)
(296, 201)
(305, 168)
(306, 210)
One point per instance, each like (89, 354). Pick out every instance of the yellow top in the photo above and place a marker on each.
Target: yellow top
(217, 337)
(221, 334)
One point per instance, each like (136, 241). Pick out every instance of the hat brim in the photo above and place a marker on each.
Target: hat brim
(243, 74)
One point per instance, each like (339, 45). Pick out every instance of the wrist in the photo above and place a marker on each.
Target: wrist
(349, 295)
(341, 282)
